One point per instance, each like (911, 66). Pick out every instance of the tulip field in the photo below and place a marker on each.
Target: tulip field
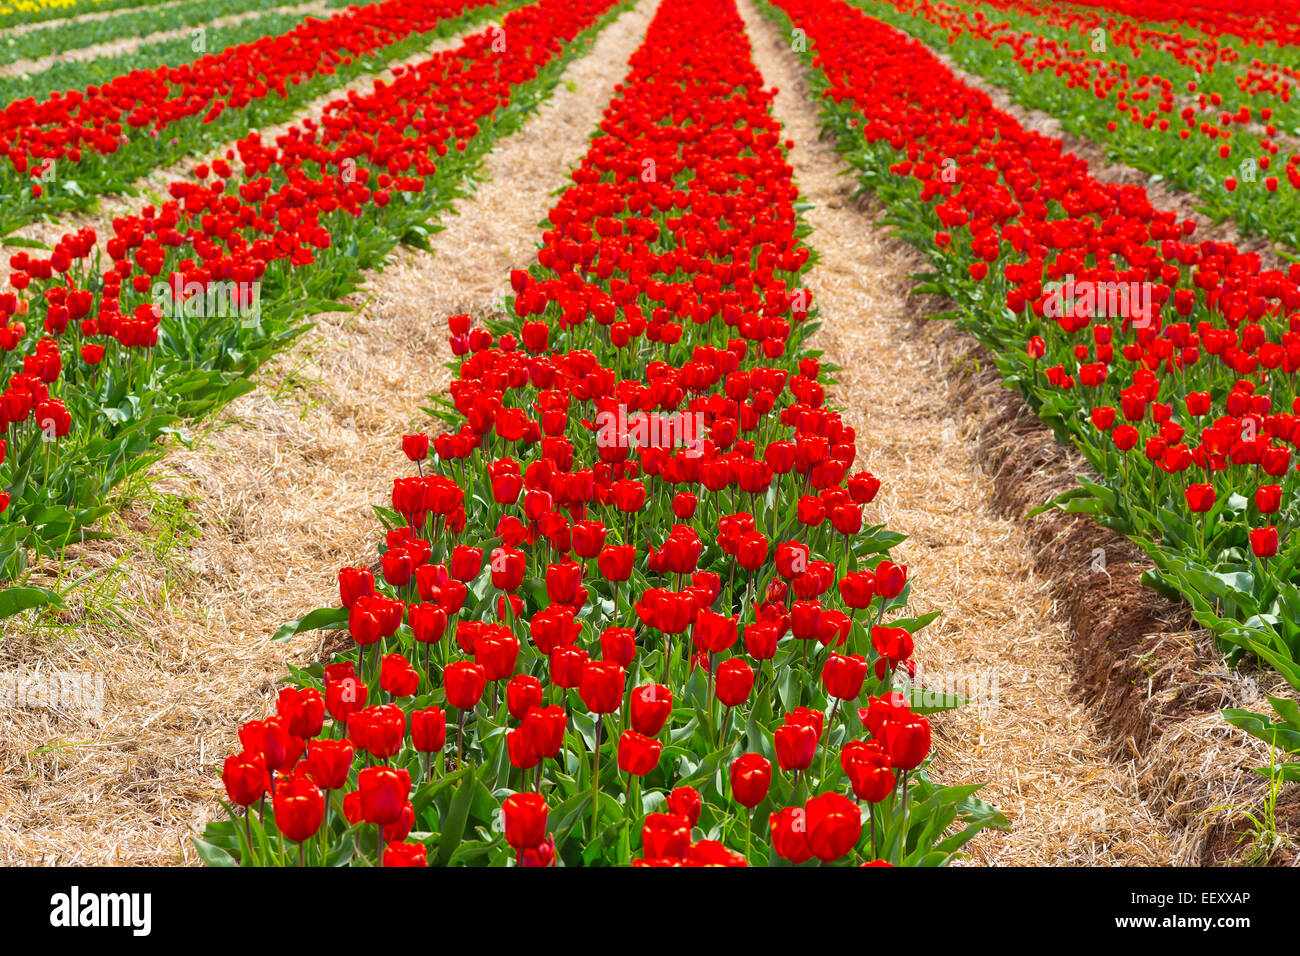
(639, 559)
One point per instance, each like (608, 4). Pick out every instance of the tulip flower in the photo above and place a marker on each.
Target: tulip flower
(868, 769)
(507, 566)
(1268, 498)
(355, 583)
(1264, 542)
(329, 763)
(406, 854)
(735, 681)
(796, 744)
(601, 687)
(523, 693)
(638, 754)
(299, 808)
(383, 794)
(378, 730)
(665, 836)
(651, 706)
(685, 802)
(524, 816)
(789, 828)
(304, 710)
(751, 776)
(615, 562)
(466, 563)
(843, 676)
(397, 677)
(834, 826)
(464, 682)
(890, 579)
(428, 729)
(244, 776)
(907, 742)
(543, 730)
(618, 644)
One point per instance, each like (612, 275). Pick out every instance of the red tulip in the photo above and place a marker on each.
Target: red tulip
(523, 693)
(466, 562)
(244, 776)
(638, 754)
(345, 694)
(507, 566)
(834, 826)
(1268, 499)
(751, 550)
(843, 676)
(428, 622)
(796, 744)
(355, 583)
(588, 538)
(652, 705)
(299, 807)
(907, 742)
(789, 828)
(543, 730)
(378, 730)
(303, 708)
(868, 770)
(496, 651)
(406, 854)
(397, 677)
(761, 640)
(384, 793)
(416, 447)
(601, 688)
(735, 680)
(567, 666)
(464, 682)
(562, 581)
(665, 836)
(890, 579)
(1200, 498)
(618, 644)
(1263, 541)
(428, 729)
(751, 777)
(714, 632)
(329, 762)
(686, 802)
(525, 820)
(615, 562)
(857, 589)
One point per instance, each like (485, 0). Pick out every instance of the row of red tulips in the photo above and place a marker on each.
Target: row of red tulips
(1255, 21)
(626, 610)
(62, 151)
(198, 291)
(1181, 398)
(1214, 129)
